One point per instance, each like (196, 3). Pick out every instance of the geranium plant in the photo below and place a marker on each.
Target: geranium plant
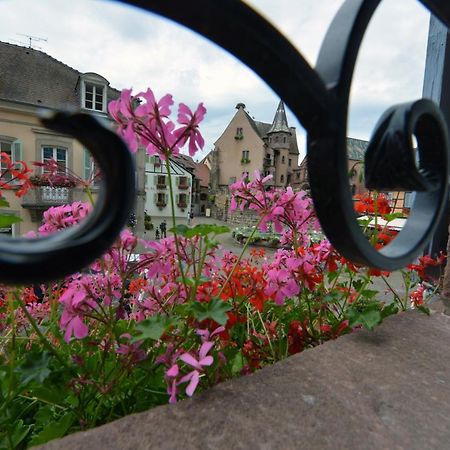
(124, 335)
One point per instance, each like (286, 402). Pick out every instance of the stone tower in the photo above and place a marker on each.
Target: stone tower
(278, 141)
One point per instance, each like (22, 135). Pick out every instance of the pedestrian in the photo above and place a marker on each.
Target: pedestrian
(163, 228)
(157, 234)
(189, 217)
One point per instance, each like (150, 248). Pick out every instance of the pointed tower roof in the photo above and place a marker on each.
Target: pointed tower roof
(280, 121)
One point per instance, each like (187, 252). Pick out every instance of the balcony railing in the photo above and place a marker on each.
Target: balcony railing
(41, 198)
(45, 196)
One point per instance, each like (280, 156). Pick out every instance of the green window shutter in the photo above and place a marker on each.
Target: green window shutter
(156, 198)
(189, 181)
(86, 165)
(17, 151)
(167, 198)
(152, 159)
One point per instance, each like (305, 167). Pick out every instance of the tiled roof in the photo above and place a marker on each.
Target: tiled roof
(186, 161)
(31, 76)
(280, 120)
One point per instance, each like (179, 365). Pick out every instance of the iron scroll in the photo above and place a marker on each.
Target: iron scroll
(319, 99)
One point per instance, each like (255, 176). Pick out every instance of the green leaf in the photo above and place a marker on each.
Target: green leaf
(153, 327)
(215, 309)
(8, 220)
(180, 229)
(51, 395)
(368, 318)
(237, 363)
(423, 309)
(4, 203)
(392, 216)
(54, 430)
(34, 367)
(19, 433)
(368, 293)
(389, 310)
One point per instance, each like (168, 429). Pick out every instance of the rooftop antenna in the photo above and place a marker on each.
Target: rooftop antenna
(33, 38)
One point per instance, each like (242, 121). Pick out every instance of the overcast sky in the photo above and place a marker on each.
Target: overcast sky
(135, 49)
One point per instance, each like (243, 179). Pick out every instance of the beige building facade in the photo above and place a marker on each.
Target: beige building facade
(32, 83)
(247, 145)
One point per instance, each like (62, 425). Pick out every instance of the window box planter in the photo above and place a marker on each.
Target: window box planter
(245, 161)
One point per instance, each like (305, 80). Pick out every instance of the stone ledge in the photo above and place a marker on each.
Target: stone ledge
(389, 389)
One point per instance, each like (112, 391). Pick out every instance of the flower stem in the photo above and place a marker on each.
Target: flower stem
(43, 339)
(174, 222)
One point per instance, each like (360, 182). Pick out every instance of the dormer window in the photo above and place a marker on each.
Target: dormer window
(94, 92)
(94, 97)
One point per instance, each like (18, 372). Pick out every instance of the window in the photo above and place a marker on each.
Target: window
(232, 180)
(182, 200)
(289, 162)
(183, 183)
(203, 197)
(239, 133)
(94, 96)
(284, 139)
(13, 148)
(161, 199)
(282, 178)
(245, 156)
(160, 181)
(57, 154)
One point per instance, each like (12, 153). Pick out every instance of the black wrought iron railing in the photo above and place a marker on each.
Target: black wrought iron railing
(318, 97)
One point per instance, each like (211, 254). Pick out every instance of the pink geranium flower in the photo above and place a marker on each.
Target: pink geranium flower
(189, 129)
(199, 363)
(76, 303)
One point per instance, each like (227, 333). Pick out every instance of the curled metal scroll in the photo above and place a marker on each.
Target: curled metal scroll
(37, 260)
(319, 99)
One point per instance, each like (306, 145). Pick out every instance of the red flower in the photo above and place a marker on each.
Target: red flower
(366, 204)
